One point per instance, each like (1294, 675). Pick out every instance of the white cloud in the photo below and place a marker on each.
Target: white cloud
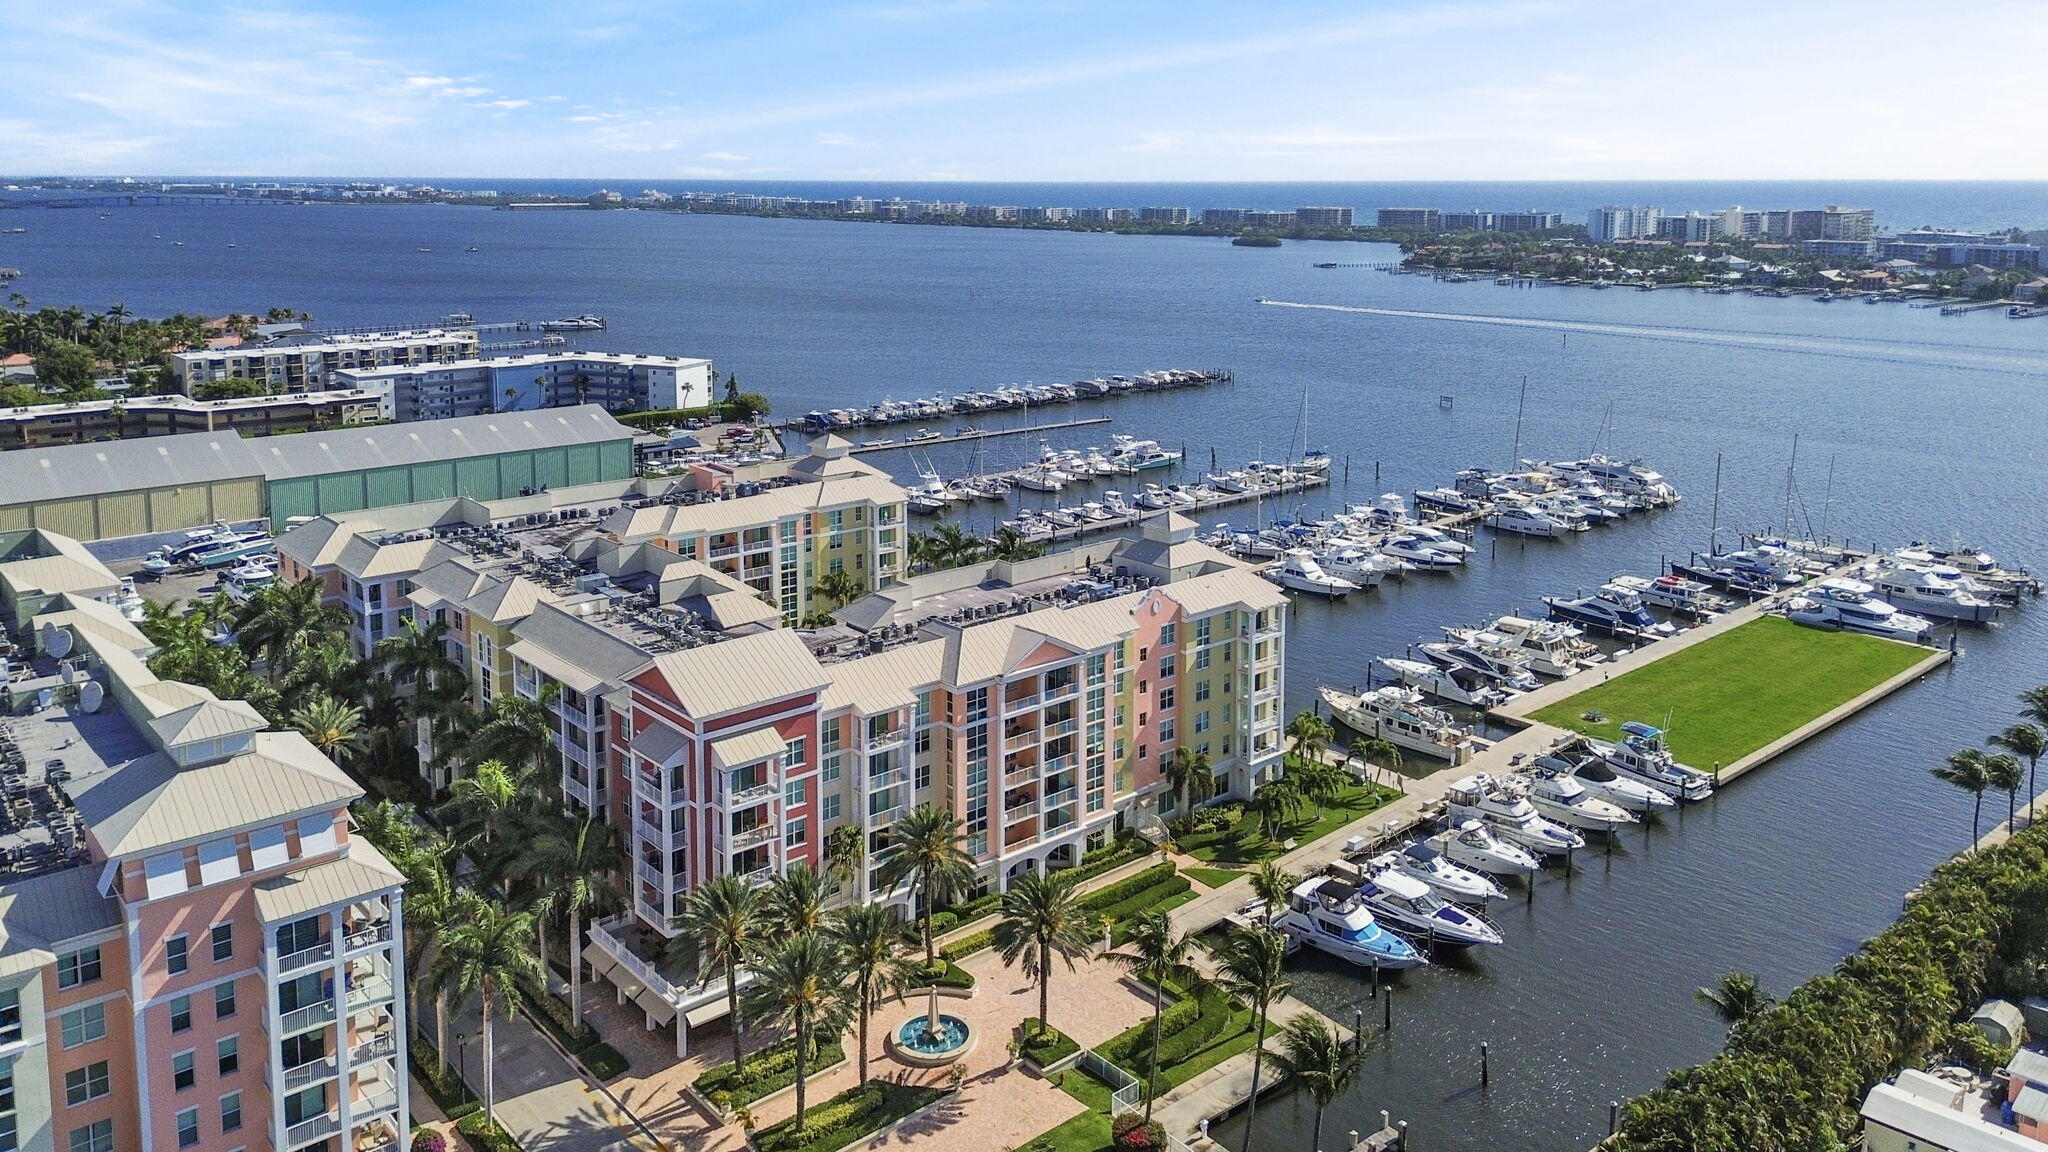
(504, 104)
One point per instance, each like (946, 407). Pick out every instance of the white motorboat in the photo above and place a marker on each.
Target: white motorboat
(1445, 500)
(1594, 774)
(243, 581)
(1128, 455)
(1501, 667)
(1041, 478)
(1298, 570)
(1611, 611)
(1938, 592)
(1687, 597)
(1406, 903)
(926, 503)
(1436, 538)
(233, 547)
(1629, 477)
(1361, 566)
(1326, 914)
(1469, 843)
(1641, 755)
(1840, 604)
(1544, 646)
(1520, 521)
(1511, 817)
(1457, 685)
(1568, 801)
(1422, 862)
(1156, 498)
(1398, 715)
(1417, 552)
(1980, 566)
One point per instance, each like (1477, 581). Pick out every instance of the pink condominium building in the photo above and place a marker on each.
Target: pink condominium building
(195, 953)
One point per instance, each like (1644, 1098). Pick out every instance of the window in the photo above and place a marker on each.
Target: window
(182, 1074)
(223, 942)
(1169, 635)
(924, 777)
(830, 808)
(97, 1136)
(231, 1112)
(1201, 691)
(829, 774)
(10, 1016)
(1202, 721)
(224, 1000)
(181, 1013)
(229, 1053)
(80, 967)
(793, 834)
(1166, 696)
(83, 1025)
(178, 954)
(300, 935)
(188, 1127)
(88, 1083)
(10, 1137)
(793, 794)
(794, 753)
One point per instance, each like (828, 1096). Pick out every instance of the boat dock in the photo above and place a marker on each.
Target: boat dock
(977, 434)
(1203, 503)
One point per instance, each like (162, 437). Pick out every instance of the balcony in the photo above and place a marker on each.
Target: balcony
(1021, 810)
(374, 1105)
(375, 1046)
(604, 935)
(1012, 705)
(759, 878)
(1063, 728)
(371, 989)
(886, 740)
(758, 834)
(723, 551)
(747, 798)
(309, 1016)
(650, 874)
(309, 1131)
(1062, 798)
(882, 781)
(1068, 691)
(310, 1073)
(318, 954)
(369, 936)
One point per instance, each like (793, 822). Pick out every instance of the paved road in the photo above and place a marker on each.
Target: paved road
(543, 1100)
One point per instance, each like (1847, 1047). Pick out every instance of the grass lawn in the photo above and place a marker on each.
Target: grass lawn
(1211, 877)
(1730, 695)
(1242, 844)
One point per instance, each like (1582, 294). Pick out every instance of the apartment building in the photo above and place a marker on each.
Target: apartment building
(130, 417)
(1164, 215)
(1529, 221)
(1410, 219)
(204, 957)
(1833, 222)
(1611, 223)
(300, 360)
(1323, 219)
(1472, 221)
(1102, 215)
(1690, 228)
(620, 382)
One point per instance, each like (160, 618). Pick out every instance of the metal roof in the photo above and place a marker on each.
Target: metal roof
(746, 748)
(151, 803)
(714, 679)
(887, 680)
(718, 516)
(40, 913)
(568, 640)
(433, 441)
(1901, 1111)
(363, 872)
(73, 470)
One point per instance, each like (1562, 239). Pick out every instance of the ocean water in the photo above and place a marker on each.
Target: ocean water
(1908, 424)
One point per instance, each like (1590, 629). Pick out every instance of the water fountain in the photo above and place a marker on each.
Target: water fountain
(933, 1039)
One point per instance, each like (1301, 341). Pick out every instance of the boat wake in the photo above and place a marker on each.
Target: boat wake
(2005, 364)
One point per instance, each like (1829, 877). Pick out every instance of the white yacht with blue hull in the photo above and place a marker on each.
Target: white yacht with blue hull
(1611, 611)
(1641, 755)
(1408, 905)
(1327, 914)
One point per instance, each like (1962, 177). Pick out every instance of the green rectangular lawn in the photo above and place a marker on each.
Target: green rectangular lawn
(1728, 696)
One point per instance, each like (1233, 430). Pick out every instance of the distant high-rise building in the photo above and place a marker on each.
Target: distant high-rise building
(1529, 221)
(1164, 215)
(1410, 219)
(1691, 228)
(1613, 222)
(1323, 219)
(1473, 221)
(1224, 216)
(1255, 218)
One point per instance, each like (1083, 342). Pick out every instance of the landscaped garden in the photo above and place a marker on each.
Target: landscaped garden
(847, 1117)
(767, 1071)
(1729, 695)
(1231, 835)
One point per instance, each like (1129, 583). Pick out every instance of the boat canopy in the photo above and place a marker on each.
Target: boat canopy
(1404, 887)
(1638, 728)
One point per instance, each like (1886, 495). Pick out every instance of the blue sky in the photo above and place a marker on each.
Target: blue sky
(991, 90)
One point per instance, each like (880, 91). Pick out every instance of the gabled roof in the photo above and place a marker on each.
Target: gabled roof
(206, 720)
(363, 872)
(713, 679)
(502, 601)
(40, 913)
(555, 641)
(746, 748)
(430, 441)
(73, 470)
(318, 542)
(365, 559)
(887, 680)
(864, 486)
(150, 803)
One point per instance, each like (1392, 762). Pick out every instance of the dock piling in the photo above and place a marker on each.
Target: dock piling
(1613, 1114)
(1485, 1069)
(1387, 1010)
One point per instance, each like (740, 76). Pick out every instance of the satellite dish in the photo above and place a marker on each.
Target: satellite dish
(56, 640)
(91, 695)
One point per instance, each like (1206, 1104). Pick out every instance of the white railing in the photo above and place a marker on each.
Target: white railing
(758, 834)
(642, 969)
(1062, 798)
(370, 937)
(311, 1072)
(1126, 1092)
(1014, 705)
(309, 1016)
(378, 1046)
(374, 988)
(319, 953)
(307, 1131)
(754, 795)
(386, 1101)
(887, 739)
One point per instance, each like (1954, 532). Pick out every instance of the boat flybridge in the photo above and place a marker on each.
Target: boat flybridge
(1497, 665)
(1522, 521)
(1298, 571)
(1471, 844)
(1409, 905)
(1397, 715)
(1596, 777)
(1457, 685)
(1511, 816)
(1327, 914)
(1425, 863)
(1685, 597)
(1840, 604)
(1641, 755)
(1611, 611)
(1566, 799)
(1545, 646)
(1939, 591)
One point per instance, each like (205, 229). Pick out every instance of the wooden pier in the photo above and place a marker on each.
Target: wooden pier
(978, 434)
(1136, 516)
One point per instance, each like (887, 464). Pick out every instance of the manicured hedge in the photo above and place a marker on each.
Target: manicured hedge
(847, 1117)
(1128, 886)
(484, 1134)
(1125, 899)
(946, 975)
(603, 1060)
(769, 1070)
(1044, 1045)
(1130, 847)
(452, 1096)
(967, 945)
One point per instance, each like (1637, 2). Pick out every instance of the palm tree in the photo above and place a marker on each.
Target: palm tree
(1382, 752)
(1156, 954)
(926, 851)
(1043, 917)
(717, 932)
(1191, 777)
(1320, 1061)
(576, 859)
(866, 937)
(485, 953)
(1737, 996)
(334, 727)
(417, 655)
(801, 986)
(489, 803)
(1276, 802)
(2029, 743)
(1273, 884)
(516, 731)
(391, 826)
(839, 588)
(846, 855)
(1010, 544)
(283, 620)
(795, 902)
(432, 905)
(115, 316)
(950, 546)
(1253, 967)
(1965, 769)
(1319, 782)
(1307, 735)
(2002, 772)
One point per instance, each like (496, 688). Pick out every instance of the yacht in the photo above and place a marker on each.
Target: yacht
(1981, 567)
(1513, 818)
(1937, 592)
(584, 323)
(1408, 904)
(1129, 455)
(1567, 800)
(1457, 685)
(1611, 611)
(1629, 477)
(1422, 862)
(1156, 498)
(1298, 571)
(1469, 843)
(1435, 538)
(1641, 755)
(923, 435)
(1361, 566)
(1449, 501)
(242, 581)
(1544, 646)
(1596, 777)
(1496, 665)
(1042, 478)
(1519, 521)
(1841, 604)
(1398, 715)
(1231, 482)
(1417, 552)
(1327, 914)
(1691, 598)
(236, 546)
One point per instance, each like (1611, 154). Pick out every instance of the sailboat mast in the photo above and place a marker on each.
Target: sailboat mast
(1791, 474)
(1715, 528)
(1515, 457)
(1827, 499)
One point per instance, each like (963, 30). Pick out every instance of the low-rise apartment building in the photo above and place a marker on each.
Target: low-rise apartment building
(1323, 219)
(302, 360)
(203, 956)
(618, 381)
(84, 421)
(1410, 219)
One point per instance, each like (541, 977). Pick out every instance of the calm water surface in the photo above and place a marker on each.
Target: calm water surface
(1931, 425)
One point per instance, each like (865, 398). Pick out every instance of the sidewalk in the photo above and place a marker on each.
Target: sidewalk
(543, 1100)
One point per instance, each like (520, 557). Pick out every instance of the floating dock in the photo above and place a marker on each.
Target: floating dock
(979, 434)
